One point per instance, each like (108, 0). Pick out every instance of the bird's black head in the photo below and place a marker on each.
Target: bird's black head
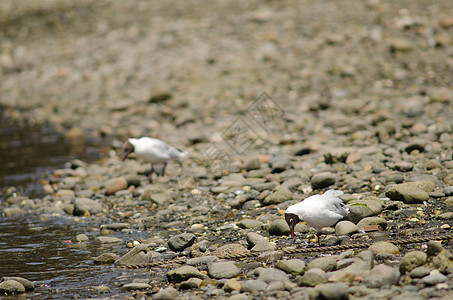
(292, 220)
(128, 148)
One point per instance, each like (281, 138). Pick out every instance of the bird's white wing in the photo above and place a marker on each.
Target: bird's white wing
(334, 203)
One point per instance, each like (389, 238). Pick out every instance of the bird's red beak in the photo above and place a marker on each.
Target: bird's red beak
(292, 230)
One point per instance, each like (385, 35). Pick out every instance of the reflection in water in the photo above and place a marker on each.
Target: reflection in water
(40, 251)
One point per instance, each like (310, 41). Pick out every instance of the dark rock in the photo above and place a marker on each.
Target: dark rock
(181, 241)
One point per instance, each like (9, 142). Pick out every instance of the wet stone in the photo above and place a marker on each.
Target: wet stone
(184, 273)
(191, 283)
(81, 238)
(107, 240)
(136, 286)
(11, 287)
(28, 285)
(106, 258)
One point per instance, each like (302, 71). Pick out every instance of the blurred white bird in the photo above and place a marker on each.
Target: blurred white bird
(151, 150)
(318, 211)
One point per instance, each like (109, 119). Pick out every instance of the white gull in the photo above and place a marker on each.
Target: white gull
(151, 150)
(318, 211)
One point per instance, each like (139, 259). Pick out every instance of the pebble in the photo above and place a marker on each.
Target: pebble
(253, 285)
(230, 249)
(27, 284)
(279, 227)
(184, 273)
(106, 258)
(323, 179)
(81, 238)
(292, 266)
(114, 185)
(313, 277)
(232, 285)
(346, 228)
(382, 275)
(83, 205)
(168, 293)
(333, 291)
(383, 246)
(181, 241)
(279, 164)
(281, 194)
(219, 270)
(434, 278)
(136, 286)
(107, 240)
(250, 224)
(326, 264)
(11, 287)
(368, 221)
(191, 283)
(409, 193)
(412, 260)
(419, 272)
(271, 274)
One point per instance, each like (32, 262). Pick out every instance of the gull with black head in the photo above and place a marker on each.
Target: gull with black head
(151, 150)
(318, 211)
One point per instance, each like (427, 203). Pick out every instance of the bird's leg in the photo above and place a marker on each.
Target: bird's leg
(150, 174)
(163, 170)
(319, 239)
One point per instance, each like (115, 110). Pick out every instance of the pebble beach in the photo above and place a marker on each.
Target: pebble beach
(273, 101)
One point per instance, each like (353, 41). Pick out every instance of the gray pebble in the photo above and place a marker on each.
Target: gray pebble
(181, 241)
(434, 277)
(411, 260)
(323, 179)
(382, 275)
(419, 272)
(271, 274)
(292, 266)
(332, 291)
(346, 228)
(279, 227)
(326, 264)
(219, 270)
(168, 293)
(183, 273)
(313, 277)
(253, 285)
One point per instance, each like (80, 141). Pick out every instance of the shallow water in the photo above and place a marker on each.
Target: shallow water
(40, 248)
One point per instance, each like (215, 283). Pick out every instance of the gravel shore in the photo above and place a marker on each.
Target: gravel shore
(274, 101)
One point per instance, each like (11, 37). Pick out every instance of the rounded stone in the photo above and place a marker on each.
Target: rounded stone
(181, 241)
(253, 285)
(83, 205)
(326, 264)
(292, 266)
(281, 194)
(250, 224)
(232, 285)
(183, 273)
(114, 185)
(331, 291)
(409, 193)
(322, 180)
(383, 246)
(271, 274)
(279, 227)
(82, 238)
(346, 228)
(106, 258)
(411, 260)
(28, 285)
(136, 286)
(168, 293)
(382, 275)
(11, 287)
(313, 277)
(369, 221)
(221, 270)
